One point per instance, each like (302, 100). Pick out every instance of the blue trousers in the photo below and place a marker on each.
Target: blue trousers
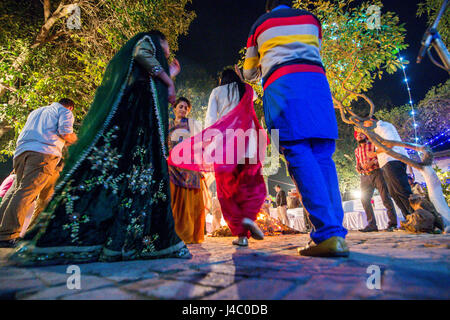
(312, 168)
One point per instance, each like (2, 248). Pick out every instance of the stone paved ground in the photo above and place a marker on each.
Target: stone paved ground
(412, 267)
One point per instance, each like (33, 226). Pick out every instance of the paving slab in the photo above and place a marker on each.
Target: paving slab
(168, 289)
(408, 266)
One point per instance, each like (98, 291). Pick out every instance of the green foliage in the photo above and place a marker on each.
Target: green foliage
(195, 84)
(354, 55)
(430, 8)
(433, 111)
(430, 115)
(70, 63)
(444, 176)
(344, 158)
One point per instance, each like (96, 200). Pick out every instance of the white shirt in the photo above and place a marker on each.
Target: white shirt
(387, 131)
(43, 130)
(220, 103)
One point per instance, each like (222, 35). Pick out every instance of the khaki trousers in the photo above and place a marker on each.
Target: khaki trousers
(282, 215)
(33, 170)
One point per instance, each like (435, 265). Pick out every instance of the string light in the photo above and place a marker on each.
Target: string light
(413, 112)
(444, 142)
(437, 137)
(432, 140)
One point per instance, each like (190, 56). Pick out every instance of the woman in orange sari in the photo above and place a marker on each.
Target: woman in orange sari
(186, 187)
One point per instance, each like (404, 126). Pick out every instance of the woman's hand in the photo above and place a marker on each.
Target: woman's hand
(172, 94)
(174, 68)
(170, 86)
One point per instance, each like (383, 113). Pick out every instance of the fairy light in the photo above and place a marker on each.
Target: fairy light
(437, 137)
(413, 112)
(432, 141)
(442, 143)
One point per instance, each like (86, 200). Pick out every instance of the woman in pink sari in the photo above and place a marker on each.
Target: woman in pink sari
(233, 146)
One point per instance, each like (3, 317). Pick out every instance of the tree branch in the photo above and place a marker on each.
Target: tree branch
(4, 88)
(61, 12)
(47, 10)
(379, 142)
(368, 100)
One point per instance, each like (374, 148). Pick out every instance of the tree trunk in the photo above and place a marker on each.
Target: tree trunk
(436, 195)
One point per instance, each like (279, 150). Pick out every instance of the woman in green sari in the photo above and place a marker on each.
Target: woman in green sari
(112, 201)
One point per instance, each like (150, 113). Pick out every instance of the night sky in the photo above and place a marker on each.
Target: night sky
(222, 26)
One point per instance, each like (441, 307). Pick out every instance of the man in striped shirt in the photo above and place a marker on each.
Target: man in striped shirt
(283, 49)
(371, 177)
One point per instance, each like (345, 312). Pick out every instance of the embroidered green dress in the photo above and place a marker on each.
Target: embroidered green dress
(112, 201)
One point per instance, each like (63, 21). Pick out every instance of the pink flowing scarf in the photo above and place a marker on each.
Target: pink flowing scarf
(222, 146)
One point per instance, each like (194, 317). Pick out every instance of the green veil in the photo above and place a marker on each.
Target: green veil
(107, 99)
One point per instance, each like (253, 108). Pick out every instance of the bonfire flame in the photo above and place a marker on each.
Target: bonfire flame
(267, 224)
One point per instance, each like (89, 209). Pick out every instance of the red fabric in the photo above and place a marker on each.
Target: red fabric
(362, 156)
(292, 69)
(251, 42)
(6, 184)
(241, 195)
(240, 186)
(355, 134)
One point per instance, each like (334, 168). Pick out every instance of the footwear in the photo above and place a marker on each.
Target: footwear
(241, 241)
(183, 253)
(390, 228)
(332, 247)
(369, 229)
(256, 232)
(9, 243)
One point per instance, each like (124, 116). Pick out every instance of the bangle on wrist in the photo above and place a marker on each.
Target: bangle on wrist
(156, 70)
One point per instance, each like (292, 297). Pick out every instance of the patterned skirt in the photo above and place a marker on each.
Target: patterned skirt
(116, 203)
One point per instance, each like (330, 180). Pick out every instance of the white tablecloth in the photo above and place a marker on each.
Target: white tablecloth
(357, 220)
(354, 215)
(295, 217)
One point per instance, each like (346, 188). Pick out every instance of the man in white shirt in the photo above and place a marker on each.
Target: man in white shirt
(38, 152)
(394, 171)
